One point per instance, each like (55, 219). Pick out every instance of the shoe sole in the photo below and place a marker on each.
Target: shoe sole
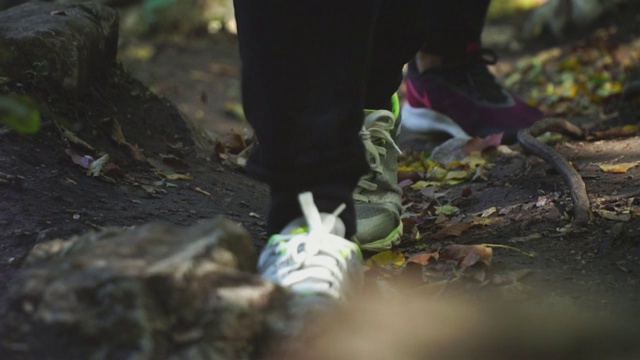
(387, 243)
(427, 121)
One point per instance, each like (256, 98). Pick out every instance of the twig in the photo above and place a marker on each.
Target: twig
(499, 246)
(526, 138)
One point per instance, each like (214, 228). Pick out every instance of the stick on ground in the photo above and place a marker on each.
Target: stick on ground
(528, 141)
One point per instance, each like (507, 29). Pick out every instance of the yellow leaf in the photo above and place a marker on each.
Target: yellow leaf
(454, 181)
(436, 173)
(612, 215)
(457, 175)
(620, 168)
(488, 212)
(385, 258)
(474, 160)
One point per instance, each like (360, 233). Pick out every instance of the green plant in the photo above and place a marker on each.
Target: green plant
(39, 70)
(20, 113)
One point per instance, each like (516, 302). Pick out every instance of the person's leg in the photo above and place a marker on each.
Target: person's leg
(398, 34)
(452, 26)
(449, 86)
(303, 71)
(303, 83)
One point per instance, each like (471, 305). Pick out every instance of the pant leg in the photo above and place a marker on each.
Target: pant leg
(452, 25)
(303, 78)
(399, 33)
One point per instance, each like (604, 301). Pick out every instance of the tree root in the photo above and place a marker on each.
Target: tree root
(527, 139)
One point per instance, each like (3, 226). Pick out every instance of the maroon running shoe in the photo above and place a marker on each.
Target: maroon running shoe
(463, 99)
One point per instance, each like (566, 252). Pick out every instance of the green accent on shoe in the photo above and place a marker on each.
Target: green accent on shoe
(395, 105)
(392, 239)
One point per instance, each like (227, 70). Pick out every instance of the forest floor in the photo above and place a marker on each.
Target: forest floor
(517, 200)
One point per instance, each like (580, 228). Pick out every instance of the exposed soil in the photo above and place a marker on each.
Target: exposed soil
(598, 267)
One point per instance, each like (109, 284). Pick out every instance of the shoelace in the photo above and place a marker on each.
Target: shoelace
(375, 134)
(314, 261)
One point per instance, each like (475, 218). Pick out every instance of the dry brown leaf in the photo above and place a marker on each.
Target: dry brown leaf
(467, 255)
(174, 161)
(423, 258)
(452, 230)
(479, 144)
(233, 142)
(118, 136)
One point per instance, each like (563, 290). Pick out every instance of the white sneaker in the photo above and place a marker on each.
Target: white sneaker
(311, 256)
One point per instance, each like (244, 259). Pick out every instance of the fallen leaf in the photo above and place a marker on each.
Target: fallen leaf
(612, 215)
(174, 161)
(111, 169)
(452, 230)
(118, 136)
(446, 210)
(423, 258)
(78, 159)
(96, 166)
(233, 142)
(620, 168)
(457, 175)
(479, 144)
(474, 160)
(385, 258)
(488, 212)
(422, 184)
(467, 255)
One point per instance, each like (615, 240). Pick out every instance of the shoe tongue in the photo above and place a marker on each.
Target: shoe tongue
(338, 228)
(298, 224)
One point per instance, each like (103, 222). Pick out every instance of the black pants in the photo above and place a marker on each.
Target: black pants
(310, 67)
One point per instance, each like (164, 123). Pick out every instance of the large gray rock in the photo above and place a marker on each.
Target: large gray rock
(67, 47)
(157, 291)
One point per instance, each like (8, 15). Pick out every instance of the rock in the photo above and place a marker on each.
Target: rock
(158, 291)
(66, 47)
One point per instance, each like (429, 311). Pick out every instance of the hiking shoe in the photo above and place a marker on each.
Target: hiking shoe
(463, 99)
(377, 196)
(311, 256)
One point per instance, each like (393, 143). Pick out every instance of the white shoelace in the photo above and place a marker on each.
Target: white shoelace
(377, 127)
(315, 261)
